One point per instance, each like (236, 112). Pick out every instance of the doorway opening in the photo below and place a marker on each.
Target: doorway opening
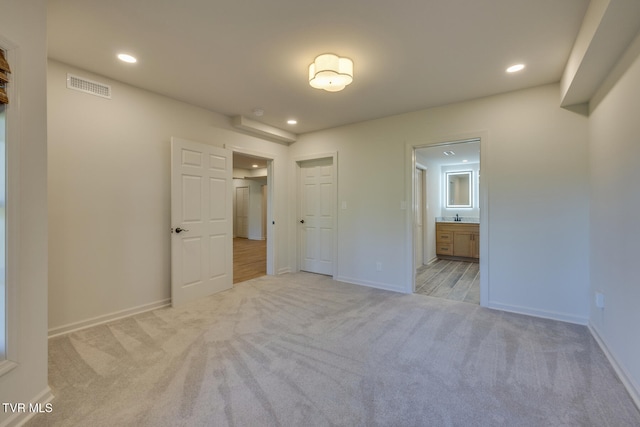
(447, 201)
(251, 205)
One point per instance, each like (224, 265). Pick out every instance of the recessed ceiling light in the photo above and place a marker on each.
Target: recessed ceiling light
(254, 166)
(465, 161)
(449, 153)
(292, 122)
(127, 58)
(515, 68)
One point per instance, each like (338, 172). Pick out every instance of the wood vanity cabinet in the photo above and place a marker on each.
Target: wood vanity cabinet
(458, 240)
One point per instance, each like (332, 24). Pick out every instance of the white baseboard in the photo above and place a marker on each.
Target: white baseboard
(432, 260)
(283, 270)
(94, 321)
(627, 381)
(370, 284)
(553, 315)
(20, 418)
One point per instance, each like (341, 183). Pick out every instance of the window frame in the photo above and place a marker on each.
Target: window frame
(10, 359)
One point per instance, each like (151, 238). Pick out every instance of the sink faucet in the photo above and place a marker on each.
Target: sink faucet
(457, 217)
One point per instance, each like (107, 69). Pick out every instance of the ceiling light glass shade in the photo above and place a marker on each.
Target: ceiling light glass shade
(330, 72)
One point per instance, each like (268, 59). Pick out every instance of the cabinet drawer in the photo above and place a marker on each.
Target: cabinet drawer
(444, 236)
(444, 249)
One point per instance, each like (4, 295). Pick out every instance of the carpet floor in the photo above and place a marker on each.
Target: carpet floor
(304, 350)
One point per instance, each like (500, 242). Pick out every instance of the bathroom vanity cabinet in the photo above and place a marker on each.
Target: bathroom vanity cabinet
(458, 240)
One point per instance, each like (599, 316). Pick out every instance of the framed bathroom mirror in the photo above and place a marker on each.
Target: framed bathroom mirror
(459, 189)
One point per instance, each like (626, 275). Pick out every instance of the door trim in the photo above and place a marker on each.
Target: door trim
(333, 155)
(271, 235)
(410, 166)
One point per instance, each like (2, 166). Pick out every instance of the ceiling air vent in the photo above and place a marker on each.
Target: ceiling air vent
(88, 86)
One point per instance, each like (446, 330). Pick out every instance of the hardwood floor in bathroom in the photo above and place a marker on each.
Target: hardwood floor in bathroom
(454, 280)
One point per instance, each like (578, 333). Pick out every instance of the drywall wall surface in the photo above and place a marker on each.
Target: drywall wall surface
(537, 177)
(109, 182)
(614, 135)
(23, 35)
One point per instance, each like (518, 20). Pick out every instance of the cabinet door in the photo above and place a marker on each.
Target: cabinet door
(475, 245)
(462, 243)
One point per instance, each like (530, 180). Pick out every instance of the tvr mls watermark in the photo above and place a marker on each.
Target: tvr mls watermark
(41, 408)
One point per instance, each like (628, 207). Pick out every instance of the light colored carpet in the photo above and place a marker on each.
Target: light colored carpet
(303, 350)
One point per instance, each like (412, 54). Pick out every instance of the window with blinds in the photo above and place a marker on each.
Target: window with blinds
(4, 78)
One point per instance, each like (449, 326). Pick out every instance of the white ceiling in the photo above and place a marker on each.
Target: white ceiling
(243, 161)
(434, 155)
(232, 56)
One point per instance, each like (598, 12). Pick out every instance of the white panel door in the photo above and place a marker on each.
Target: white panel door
(242, 212)
(201, 217)
(317, 206)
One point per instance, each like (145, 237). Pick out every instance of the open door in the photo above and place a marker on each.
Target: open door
(201, 218)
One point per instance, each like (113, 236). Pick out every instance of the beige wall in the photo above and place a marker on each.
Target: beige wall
(537, 173)
(615, 203)
(23, 33)
(109, 189)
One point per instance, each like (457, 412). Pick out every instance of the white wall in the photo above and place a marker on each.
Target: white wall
(537, 173)
(23, 25)
(615, 203)
(109, 187)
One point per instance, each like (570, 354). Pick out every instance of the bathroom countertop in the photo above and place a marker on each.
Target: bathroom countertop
(462, 221)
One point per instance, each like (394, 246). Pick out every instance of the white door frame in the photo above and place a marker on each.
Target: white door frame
(410, 167)
(333, 155)
(271, 191)
(420, 212)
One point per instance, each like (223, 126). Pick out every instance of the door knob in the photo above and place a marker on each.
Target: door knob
(302, 221)
(180, 230)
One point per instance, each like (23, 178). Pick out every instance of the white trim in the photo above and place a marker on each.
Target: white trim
(544, 314)
(6, 366)
(99, 320)
(284, 270)
(371, 284)
(627, 380)
(12, 213)
(20, 418)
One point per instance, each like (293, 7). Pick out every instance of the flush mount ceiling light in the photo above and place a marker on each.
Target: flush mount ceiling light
(127, 58)
(515, 68)
(330, 72)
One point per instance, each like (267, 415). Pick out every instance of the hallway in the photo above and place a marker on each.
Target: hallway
(249, 259)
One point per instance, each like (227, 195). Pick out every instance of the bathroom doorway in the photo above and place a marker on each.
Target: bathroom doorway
(447, 199)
